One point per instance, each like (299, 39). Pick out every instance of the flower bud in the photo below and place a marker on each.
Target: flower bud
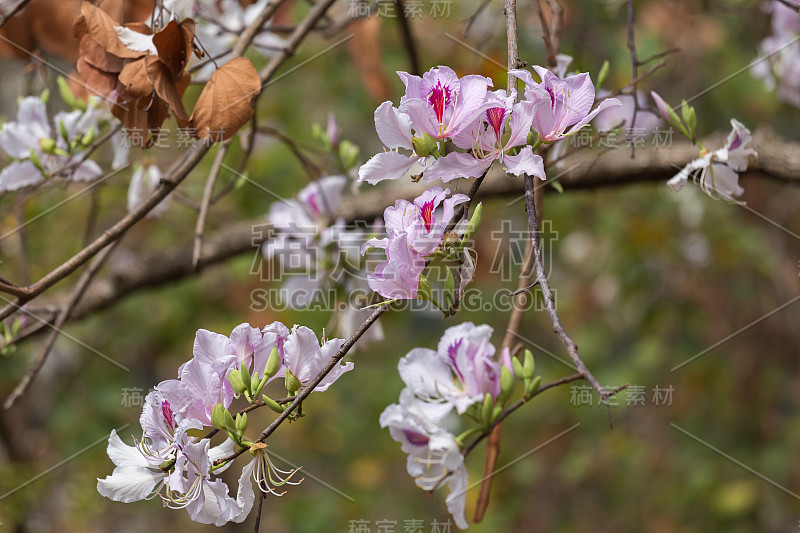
(528, 367)
(245, 377)
(272, 404)
(507, 382)
(273, 363)
(235, 377)
(419, 147)
(218, 416)
(292, 383)
(474, 223)
(241, 423)
(66, 93)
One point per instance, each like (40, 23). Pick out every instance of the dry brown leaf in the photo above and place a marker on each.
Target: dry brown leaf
(174, 44)
(101, 28)
(140, 27)
(166, 88)
(225, 104)
(134, 78)
(92, 52)
(96, 81)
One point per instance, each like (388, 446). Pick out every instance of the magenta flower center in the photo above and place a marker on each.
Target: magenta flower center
(439, 99)
(495, 116)
(415, 439)
(427, 215)
(736, 143)
(167, 412)
(552, 96)
(312, 204)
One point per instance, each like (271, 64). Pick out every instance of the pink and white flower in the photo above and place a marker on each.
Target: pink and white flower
(560, 103)
(434, 457)
(717, 172)
(484, 138)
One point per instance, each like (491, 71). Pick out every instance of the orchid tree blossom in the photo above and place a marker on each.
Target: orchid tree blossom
(36, 151)
(460, 372)
(717, 172)
(484, 139)
(305, 358)
(414, 230)
(434, 457)
(440, 104)
(560, 103)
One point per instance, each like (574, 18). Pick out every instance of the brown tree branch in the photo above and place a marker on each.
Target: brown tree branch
(779, 160)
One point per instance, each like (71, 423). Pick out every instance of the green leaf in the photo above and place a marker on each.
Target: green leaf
(603, 74)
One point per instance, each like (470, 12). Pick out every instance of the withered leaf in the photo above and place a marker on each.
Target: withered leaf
(92, 52)
(135, 80)
(96, 81)
(166, 87)
(101, 28)
(174, 44)
(225, 104)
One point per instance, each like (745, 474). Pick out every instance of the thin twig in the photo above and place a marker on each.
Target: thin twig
(546, 37)
(557, 23)
(258, 510)
(634, 71)
(77, 294)
(549, 300)
(516, 405)
(207, 192)
(408, 38)
(247, 36)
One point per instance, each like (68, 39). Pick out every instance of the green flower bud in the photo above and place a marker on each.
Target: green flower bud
(517, 364)
(272, 404)
(431, 144)
(486, 410)
(273, 363)
(424, 289)
(507, 382)
(528, 366)
(241, 423)
(292, 383)
(420, 148)
(532, 386)
(474, 223)
(48, 145)
(66, 93)
(348, 153)
(245, 377)
(235, 377)
(218, 416)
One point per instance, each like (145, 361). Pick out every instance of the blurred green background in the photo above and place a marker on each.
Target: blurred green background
(645, 280)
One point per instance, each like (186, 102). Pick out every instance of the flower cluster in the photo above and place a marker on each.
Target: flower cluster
(780, 52)
(321, 250)
(414, 231)
(461, 374)
(40, 149)
(167, 462)
(483, 125)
